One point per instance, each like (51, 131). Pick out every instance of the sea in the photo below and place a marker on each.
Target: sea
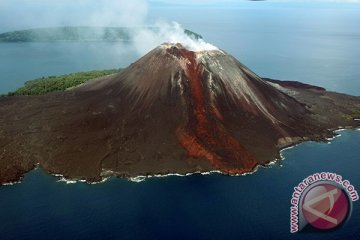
(313, 43)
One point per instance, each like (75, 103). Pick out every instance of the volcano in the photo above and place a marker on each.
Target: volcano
(172, 111)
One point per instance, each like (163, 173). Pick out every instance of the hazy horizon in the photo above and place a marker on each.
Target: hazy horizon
(315, 42)
(24, 14)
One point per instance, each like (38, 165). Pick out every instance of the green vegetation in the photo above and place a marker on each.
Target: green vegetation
(75, 34)
(356, 113)
(67, 34)
(59, 83)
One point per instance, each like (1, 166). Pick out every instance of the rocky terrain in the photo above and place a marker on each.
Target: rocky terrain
(172, 111)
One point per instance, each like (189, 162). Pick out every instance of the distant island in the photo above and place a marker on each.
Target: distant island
(173, 111)
(83, 34)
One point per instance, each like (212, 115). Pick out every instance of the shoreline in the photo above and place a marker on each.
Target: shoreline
(141, 178)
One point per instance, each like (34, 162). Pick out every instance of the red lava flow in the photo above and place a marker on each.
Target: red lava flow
(207, 132)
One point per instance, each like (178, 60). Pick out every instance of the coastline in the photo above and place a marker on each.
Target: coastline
(107, 174)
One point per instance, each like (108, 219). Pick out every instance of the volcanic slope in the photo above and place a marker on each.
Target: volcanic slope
(172, 111)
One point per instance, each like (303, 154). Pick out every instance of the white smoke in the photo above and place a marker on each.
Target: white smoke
(105, 13)
(146, 39)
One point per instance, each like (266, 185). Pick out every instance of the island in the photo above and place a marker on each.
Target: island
(79, 34)
(59, 83)
(173, 111)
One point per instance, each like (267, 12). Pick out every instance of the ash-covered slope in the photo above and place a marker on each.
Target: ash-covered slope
(174, 110)
(220, 102)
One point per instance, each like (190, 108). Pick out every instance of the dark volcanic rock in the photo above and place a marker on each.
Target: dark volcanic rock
(295, 84)
(172, 111)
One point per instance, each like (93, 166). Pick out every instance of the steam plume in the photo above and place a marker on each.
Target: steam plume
(146, 39)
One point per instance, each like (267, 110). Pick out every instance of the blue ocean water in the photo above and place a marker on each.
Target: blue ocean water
(308, 43)
(194, 207)
(20, 62)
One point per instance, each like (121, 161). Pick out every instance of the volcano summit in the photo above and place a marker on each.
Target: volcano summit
(172, 111)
